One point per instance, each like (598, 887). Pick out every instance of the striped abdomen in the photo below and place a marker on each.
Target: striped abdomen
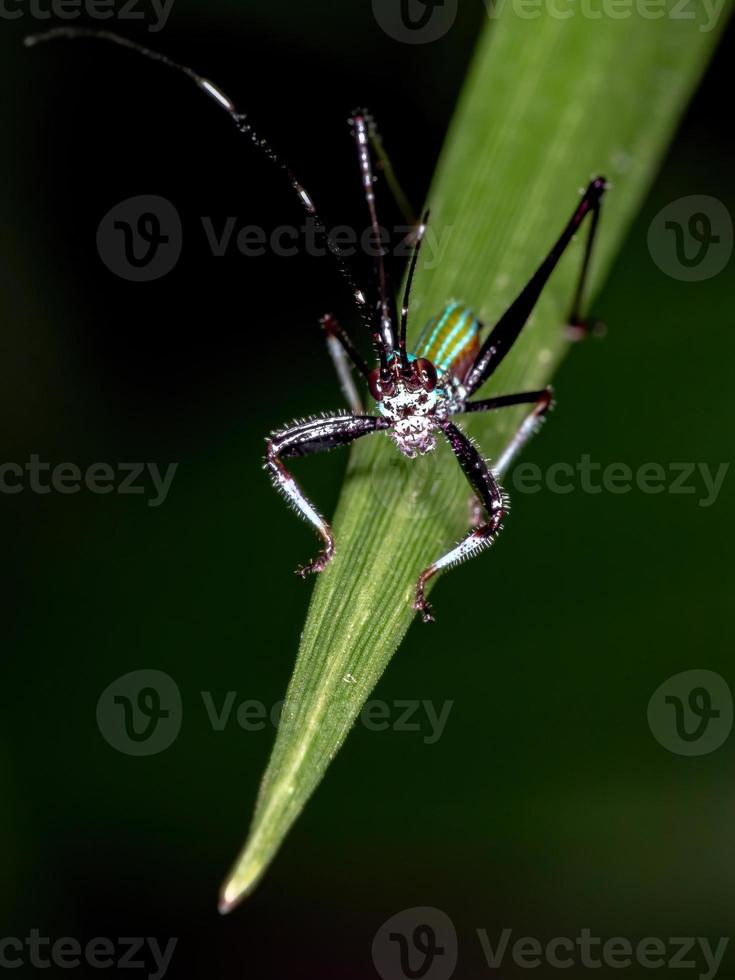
(451, 340)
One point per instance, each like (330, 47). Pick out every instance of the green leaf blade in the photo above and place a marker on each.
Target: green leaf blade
(548, 103)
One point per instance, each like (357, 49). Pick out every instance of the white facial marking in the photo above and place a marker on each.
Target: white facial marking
(412, 414)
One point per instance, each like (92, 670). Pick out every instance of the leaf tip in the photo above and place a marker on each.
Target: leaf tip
(240, 883)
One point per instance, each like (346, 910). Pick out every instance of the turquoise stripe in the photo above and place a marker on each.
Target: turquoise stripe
(424, 345)
(464, 341)
(459, 337)
(461, 325)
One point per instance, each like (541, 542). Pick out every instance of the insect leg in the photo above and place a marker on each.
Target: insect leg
(578, 326)
(483, 482)
(510, 324)
(303, 439)
(525, 430)
(342, 352)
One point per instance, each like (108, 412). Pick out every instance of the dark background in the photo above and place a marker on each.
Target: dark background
(547, 806)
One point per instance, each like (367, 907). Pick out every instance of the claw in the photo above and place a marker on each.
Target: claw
(421, 605)
(310, 568)
(427, 612)
(314, 566)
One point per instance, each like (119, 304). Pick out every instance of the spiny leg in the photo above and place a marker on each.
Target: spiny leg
(343, 352)
(528, 427)
(303, 439)
(483, 482)
(510, 324)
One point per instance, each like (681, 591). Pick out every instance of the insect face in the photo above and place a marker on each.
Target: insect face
(411, 401)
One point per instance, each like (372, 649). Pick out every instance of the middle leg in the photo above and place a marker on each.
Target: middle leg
(528, 427)
(489, 492)
(343, 353)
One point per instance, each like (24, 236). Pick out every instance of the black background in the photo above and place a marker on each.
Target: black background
(603, 828)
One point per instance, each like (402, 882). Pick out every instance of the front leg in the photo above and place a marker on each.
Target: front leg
(491, 496)
(303, 439)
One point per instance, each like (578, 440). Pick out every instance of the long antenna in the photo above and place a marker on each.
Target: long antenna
(385, 166)
(243, 126)
(360, 127)
(407, 292)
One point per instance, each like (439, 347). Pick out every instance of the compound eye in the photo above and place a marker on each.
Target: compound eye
(378, 388)
(426, 373)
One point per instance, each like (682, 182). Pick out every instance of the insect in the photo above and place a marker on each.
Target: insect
(417, 393)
